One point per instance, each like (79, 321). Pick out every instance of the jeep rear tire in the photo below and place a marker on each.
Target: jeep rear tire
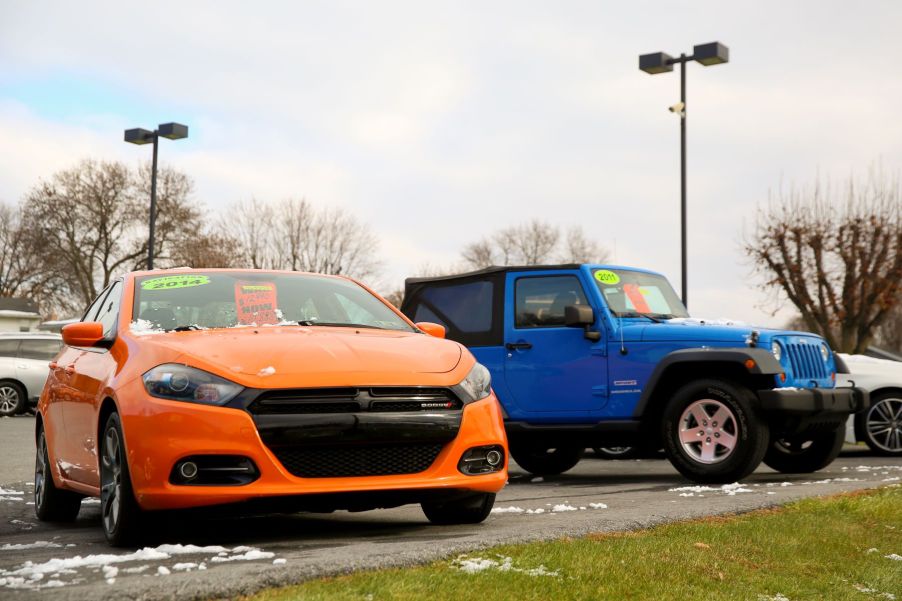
(545, 459)
(805, 454)
(712, 432)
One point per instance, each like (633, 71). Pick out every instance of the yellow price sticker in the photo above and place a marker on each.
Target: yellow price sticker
(608, 277)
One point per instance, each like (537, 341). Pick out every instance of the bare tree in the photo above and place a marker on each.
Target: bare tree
(204, 250)
(532, 243)
(296, 235)
(22, 262)
(91, 222)
(837, 256)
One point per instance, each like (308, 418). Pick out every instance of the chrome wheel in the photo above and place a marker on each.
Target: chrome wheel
(884, 424)
(41, 473)
(111, 480)
(9, 400)
(708, 431)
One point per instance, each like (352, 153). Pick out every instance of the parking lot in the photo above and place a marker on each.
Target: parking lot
(240, 555)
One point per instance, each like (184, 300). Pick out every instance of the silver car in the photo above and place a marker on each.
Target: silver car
(880, 427)
(24, 359)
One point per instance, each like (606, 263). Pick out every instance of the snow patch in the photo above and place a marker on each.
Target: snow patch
(727, 489)
(561, 507)
(475, 565)
(894, 557)
(704, 321)
(508, 510)
(38, 544)
(598, 506)
(266, 371)
(144, 327)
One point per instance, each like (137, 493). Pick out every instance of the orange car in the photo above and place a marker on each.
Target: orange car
(186, 388)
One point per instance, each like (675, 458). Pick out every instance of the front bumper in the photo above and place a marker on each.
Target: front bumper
(159, 433)
(814, 401)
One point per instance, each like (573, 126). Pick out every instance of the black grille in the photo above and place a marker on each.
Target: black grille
(806, 361)
(353, 400)
(340, 462)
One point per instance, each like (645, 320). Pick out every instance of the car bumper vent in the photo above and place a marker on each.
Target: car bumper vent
(350, 461)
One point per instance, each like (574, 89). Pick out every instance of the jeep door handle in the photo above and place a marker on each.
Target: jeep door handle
(518, 346)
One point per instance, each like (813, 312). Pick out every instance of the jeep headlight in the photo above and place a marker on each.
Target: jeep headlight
(777, 350)
(825, 353)
(477, 385)
(182, 383)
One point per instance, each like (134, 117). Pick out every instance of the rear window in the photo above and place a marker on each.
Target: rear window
(9, 347)
(467, 308)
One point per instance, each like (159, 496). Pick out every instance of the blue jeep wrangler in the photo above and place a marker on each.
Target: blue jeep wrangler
(598, 356)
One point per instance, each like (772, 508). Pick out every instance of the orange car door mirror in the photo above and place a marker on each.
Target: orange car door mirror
(85, 333)
(433, 329)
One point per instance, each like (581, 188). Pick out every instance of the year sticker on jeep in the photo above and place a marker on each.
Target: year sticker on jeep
(606, 276)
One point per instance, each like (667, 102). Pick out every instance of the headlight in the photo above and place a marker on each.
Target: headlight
(477, 385)
(825, 352)
(182, 383)
(776, 349)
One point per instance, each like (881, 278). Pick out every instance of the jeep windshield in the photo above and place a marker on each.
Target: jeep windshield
(225, 299)
(638, 294)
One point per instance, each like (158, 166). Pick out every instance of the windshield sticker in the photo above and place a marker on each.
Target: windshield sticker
(608, 277)
(256, 303)
(171, 282)
(635, 296)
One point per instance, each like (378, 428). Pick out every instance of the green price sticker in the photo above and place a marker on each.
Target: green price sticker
(606, 276)
(171, 282)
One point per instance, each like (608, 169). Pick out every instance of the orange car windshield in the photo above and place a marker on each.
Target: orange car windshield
(192, 301)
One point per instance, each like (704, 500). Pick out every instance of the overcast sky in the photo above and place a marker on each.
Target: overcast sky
(439, 122)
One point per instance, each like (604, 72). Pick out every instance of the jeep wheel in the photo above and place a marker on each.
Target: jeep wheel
(51, 504)
(544, 460)
(805, 454)
(469, 510)
(12, 399)
(712, 433)
(880, 427)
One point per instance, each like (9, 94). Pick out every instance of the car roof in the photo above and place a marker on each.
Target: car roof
(505, 268)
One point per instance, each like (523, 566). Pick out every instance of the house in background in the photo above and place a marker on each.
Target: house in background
(18, 315)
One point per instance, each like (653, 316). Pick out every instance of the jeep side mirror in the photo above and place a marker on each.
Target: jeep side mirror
(581, 316)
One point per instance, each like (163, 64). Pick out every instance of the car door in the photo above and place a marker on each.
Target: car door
(550, 368)
(33, 363)
(91, 370)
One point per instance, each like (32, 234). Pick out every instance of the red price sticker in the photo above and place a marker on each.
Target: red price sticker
(256, 303)
(635, 295)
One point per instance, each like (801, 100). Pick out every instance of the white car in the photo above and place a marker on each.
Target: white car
(880, 427)
(24, 365)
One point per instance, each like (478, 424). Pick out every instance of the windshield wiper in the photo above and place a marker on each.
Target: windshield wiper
(190, 328)
(638, 314)
(336, 324)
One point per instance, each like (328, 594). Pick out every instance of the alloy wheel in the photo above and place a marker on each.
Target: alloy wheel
(41, 472)
(111, 480)
(708, 431)
(9, 399)
(884, 424)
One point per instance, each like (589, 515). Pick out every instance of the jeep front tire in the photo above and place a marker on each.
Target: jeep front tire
(712, 432)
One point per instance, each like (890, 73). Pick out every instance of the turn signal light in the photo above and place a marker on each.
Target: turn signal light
(750, 364)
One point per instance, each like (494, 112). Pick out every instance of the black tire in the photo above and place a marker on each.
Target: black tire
(51, 504)
(468, 510)
(545, 460)
(120, 514)
(12, 399)
(722, 451)
(880, 427)
(617, 452)
(805, 454)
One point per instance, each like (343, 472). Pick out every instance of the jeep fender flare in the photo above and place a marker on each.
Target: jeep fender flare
(763, 363)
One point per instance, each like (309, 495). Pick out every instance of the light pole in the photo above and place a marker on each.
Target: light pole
(713, 53)
(173, 131)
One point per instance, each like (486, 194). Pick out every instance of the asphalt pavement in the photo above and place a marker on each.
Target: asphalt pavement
(203, 558)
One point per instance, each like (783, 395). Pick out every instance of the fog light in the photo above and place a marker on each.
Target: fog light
(188, 470)
(493, 458)
(482, 460)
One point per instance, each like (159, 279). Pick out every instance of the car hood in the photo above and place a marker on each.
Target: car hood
(296, 356)
(699, 331)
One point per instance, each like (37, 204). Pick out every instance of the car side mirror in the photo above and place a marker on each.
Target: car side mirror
(582, 316)
(433, 329)
(83, 333)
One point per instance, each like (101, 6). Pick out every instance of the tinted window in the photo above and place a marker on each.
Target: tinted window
(8, 347)
(540, 301)
(43, 350)
(467, 306)
(109, 310)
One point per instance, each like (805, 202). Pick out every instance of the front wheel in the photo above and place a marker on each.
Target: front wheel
(805, 454)
(119, 512)
(545, 460)
(880, 427)
(712, 432)
(12, 399)
(469, 510)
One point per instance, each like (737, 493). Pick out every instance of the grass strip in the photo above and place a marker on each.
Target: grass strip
(830, 548)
